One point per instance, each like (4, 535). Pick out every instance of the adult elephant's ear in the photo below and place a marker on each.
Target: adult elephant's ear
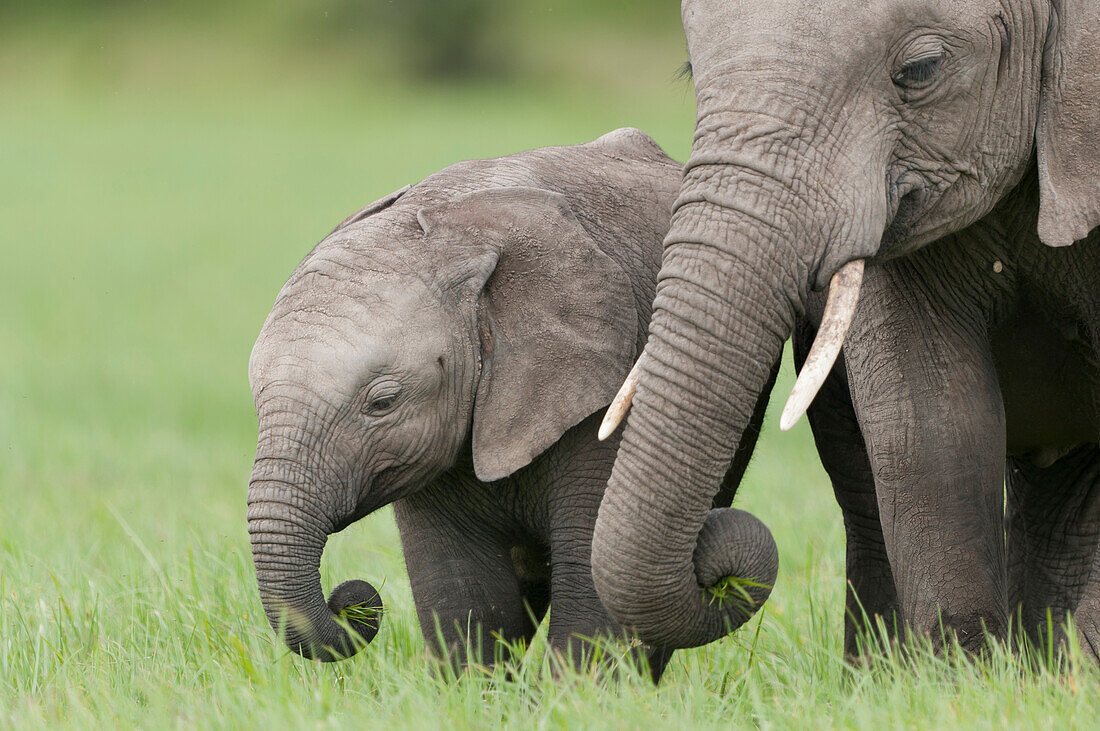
(1068, 132)
(557, 317)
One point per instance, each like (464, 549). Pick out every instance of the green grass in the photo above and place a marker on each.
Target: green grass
(147, 219)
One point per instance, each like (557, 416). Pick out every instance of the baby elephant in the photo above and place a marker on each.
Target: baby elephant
(447, 349)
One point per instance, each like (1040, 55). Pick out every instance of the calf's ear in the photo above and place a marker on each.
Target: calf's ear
(557, 317)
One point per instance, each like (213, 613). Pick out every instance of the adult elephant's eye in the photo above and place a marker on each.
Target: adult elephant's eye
(381, 398)
(918, 73)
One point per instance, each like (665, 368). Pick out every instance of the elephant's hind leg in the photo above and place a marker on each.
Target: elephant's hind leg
(579, 621)
(532, 567)
(574, 486)
(1053, 524)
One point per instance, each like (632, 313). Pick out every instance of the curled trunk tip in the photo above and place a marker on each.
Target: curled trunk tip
(735, 567)
(286, 551)
(353, 614)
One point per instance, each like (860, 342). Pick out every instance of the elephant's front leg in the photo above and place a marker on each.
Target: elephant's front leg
(870, 594)
(464, 582)
(928, 402)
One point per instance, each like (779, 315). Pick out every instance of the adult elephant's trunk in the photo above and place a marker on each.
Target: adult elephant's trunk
(739, 261)
(288, 536)
(658, 554)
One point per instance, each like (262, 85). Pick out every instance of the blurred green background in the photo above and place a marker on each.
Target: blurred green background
(163, 167)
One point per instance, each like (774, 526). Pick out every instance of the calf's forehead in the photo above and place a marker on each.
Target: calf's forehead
(343, 334)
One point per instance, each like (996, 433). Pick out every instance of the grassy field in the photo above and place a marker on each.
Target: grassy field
(147, 219)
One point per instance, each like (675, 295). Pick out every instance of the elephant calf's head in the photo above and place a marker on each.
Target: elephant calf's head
(427, 324)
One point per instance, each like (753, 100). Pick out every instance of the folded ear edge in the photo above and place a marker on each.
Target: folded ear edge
(376, 207)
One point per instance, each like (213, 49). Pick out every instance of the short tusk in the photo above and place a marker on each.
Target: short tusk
(618, 408)
(839, 309)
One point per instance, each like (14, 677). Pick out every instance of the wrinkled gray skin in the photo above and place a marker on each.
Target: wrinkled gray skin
(956, 145)
(447, 350)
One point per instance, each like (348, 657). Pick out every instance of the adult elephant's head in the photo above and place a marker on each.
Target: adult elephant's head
(418, 329)
(827, 133)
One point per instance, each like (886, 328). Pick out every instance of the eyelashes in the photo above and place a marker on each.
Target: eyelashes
(919, 73)
(382, 404)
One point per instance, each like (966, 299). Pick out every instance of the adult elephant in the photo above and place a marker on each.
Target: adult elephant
(953, 146)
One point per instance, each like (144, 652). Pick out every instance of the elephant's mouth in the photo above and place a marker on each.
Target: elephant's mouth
(911, 200)
(378, 490)
(370, 500)
(906, 198)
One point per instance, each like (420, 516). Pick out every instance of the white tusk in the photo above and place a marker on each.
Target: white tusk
(839, 309)
(618, 408)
